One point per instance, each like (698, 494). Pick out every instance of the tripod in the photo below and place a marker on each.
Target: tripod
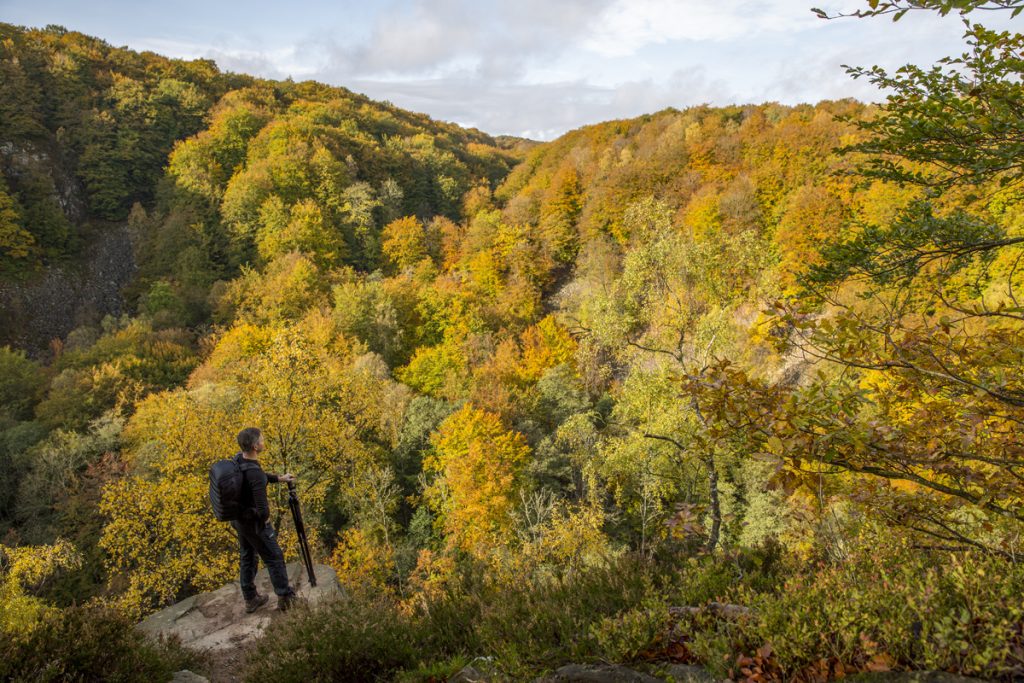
(300, 529)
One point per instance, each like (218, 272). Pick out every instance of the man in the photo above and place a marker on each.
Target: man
(255, 534)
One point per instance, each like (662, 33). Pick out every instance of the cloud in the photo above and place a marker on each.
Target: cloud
(434, 37)
(629, 25)
(280, 62)
(540, 67)
(542, 111)
(811, 69)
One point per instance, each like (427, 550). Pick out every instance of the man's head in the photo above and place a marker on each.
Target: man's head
(250, 440)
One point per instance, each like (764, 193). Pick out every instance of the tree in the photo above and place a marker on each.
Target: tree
(923, 310)
(360, 205)
(23, 570)
(406, 243)
(56, 468)
(319, 417)
(477, 465)
(898, 8)
(21, 383)
(559, 214)
(288, 287)
(668, 315)
(380, 312)
(16, 243)
(304, 228)
(956, 123)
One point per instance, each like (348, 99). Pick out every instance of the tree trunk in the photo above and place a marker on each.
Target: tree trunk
(716, 508)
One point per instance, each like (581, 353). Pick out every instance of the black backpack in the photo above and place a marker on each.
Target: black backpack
(226, 481)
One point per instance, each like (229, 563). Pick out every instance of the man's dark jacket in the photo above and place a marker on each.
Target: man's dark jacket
(255, 507)
(256, 538)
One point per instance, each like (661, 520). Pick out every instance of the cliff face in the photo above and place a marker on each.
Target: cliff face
(60, 296)
(64, 296)
(22, 159)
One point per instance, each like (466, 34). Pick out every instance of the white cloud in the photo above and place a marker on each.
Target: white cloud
(279, 62)
(629, 25)
(543, 111)
(434, 38)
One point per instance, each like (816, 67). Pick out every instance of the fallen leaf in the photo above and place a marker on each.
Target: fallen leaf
(879, 663)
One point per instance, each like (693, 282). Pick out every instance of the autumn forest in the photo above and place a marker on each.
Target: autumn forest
(546, 402)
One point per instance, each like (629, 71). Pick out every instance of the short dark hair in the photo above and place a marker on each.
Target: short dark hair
(248, 437)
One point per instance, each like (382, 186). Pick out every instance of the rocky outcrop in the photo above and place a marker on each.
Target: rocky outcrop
(186, 676)
(63, 297)
(44, 160)
(79, 289)
(217, 620)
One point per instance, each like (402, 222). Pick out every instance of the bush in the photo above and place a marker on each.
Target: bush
(544, 623)
(21, 383)
(522, 628)
(628, 636)
(89, 643)
(886, 607)
(364, 639)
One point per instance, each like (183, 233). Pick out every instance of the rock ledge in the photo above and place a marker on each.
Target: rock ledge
(217, 620)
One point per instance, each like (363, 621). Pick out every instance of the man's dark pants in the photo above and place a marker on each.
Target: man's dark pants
(255, 539)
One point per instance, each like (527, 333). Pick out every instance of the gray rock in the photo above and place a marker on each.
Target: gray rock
(66, 295)
(217, 620)
(468, 675)
(577, 673)
(186, 676)
(480, 670)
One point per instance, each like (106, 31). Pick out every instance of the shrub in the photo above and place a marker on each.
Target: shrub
(521, 629)
(541, 623)
(886, 607)
(89, 643)
(363, 639)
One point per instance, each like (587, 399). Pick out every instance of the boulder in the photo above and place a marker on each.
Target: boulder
(577, 673)
(469, 675)
(217, 620)
(186, 676)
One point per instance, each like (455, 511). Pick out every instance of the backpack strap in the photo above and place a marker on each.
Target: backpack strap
(243, 464)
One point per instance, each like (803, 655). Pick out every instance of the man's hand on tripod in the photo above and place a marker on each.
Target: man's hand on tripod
(286, 477)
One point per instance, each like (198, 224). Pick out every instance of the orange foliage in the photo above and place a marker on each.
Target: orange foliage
(478, 464)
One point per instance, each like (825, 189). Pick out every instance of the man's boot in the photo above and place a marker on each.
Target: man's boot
(287, 602)
(255, 603)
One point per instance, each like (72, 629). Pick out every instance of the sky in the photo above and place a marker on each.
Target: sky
(533, 68)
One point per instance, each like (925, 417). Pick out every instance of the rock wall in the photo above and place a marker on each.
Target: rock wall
(77, 291)
(23, 157)
(63, 297)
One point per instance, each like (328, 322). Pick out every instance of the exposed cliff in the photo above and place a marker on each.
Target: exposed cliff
(66, 295)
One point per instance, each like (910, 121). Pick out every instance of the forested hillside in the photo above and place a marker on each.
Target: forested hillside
(535, 395)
